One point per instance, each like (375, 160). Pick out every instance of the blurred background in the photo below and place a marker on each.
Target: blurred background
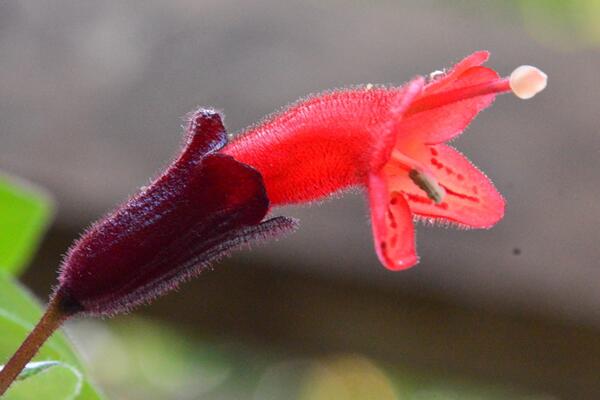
(92, 96)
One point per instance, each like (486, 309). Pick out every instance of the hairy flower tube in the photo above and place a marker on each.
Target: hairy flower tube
(391, 141)
(214, 197)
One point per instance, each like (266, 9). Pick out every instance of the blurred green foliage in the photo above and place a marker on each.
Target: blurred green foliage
(36, 367)
(141, 359)
(66, 380)
(144, 360)
(562, 24)
(24, 214)
(58, 382)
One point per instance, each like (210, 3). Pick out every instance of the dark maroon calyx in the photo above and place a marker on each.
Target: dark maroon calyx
(201, 208)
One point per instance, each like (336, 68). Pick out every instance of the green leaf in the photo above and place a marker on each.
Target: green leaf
(24, 215)
(58, 382)
(18, 314)
(34, 368)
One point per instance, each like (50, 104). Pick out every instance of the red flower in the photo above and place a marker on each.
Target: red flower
(390, 141)
(213, 199)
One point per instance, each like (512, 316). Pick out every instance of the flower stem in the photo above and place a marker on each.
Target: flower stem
(52, 319)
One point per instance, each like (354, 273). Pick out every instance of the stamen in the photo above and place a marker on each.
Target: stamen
(420, 175)
(527, 81)
(428, 184)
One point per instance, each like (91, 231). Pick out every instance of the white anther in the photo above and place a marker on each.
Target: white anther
(527, 81)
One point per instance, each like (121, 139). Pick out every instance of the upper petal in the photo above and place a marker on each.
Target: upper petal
(205, 133)
(444, 123)
(386, 133)
(393, 230)
(441, 83)
(471, 199)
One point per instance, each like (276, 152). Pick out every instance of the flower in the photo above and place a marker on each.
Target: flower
(213, 197)
(390, 141)
(203, 206)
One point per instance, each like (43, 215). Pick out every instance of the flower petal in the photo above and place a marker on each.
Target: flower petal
(393, 230)
(444, 123)
(386, 133)
(471, 199)
(441, 83)
(205, 134)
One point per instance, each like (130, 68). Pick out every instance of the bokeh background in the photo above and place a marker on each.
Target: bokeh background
(92, 96)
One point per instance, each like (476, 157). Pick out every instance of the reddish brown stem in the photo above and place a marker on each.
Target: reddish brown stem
(50, 322)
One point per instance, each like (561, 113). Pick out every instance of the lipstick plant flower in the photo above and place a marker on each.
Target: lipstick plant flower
(214, 196)
(390, 141)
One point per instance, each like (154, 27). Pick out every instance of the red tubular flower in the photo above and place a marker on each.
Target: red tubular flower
(203, 206)
(212, 198)
(390, 141)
